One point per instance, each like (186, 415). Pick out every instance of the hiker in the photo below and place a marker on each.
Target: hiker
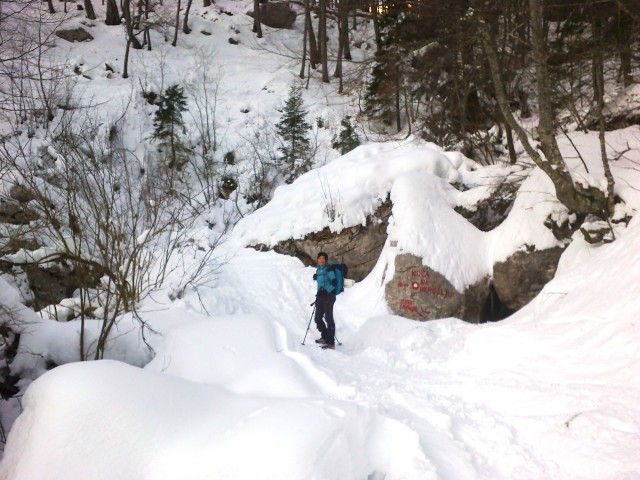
(325, 298)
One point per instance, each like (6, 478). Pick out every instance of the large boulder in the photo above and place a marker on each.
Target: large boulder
(75, 35)
(277, 15)
(420, 293)
(522, 276)
(358, 246)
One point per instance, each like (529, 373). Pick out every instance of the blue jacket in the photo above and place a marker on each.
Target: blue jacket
(326, 279)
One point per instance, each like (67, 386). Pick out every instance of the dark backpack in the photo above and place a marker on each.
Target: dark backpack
(340, 269)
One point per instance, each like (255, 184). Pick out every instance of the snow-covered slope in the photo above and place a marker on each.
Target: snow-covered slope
(548, 393)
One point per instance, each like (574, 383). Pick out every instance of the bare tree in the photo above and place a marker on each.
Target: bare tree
(107, 215)
(31, 80)
(204, 94)
(580, 199)
(259, 148)
(128, 23)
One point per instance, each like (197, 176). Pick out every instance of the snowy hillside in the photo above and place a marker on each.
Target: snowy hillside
(225, 380)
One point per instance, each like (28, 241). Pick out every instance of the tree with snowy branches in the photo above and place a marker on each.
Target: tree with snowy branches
(169, 124)
(295, 148)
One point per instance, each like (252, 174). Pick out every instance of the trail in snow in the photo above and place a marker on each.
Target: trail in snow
(496, 423)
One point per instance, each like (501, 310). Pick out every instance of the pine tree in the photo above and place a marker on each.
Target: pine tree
(292, 129)
(348, 139)
(169, 125)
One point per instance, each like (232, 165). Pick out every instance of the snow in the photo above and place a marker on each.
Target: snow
(218, 383)
(232, 393)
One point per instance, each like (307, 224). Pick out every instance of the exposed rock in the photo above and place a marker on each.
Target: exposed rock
(14, 243)
(21, 193)
(417, 291)
(359, 246)
(523, 275)
(16, 214)
(277, 15)
(75, 35)
(420, 293)
(52, 284)
(564, 230)
(492, 211)
(227, 187)
(10, 339)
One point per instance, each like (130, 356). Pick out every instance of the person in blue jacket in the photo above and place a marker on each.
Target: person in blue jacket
(325, 298)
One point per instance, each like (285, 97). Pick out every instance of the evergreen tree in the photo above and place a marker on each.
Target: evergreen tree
(426, 78)
(348, 139)
(295, 148)
(169, 125)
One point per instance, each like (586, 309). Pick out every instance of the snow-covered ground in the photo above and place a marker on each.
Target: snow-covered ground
(232, 393)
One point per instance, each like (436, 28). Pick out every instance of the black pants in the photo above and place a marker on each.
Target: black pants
(324, 307)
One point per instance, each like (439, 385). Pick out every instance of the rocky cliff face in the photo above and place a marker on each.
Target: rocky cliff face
(419, 292)
(359, 246)
(522, 276)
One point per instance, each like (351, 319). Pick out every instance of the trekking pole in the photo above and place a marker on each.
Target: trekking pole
(309, 326)
(337, 341)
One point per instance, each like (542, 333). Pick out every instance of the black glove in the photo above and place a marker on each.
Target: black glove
(334, 282)
(315, 276)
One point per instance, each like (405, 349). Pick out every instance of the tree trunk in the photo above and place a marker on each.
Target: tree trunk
(598, 62)
(50, 5)
(185, 24)
(305, 36)
(128, 23)
(175, 35)
(376, 27)
(344, 28)
(257, 22)
(322, 39)
(510, 145)
(314, 55)
(354, 25)
(125, 71)
(147, 32)
(113, 16)
(397, 98)
(88, 7)
(341, 26)
(624, 31)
